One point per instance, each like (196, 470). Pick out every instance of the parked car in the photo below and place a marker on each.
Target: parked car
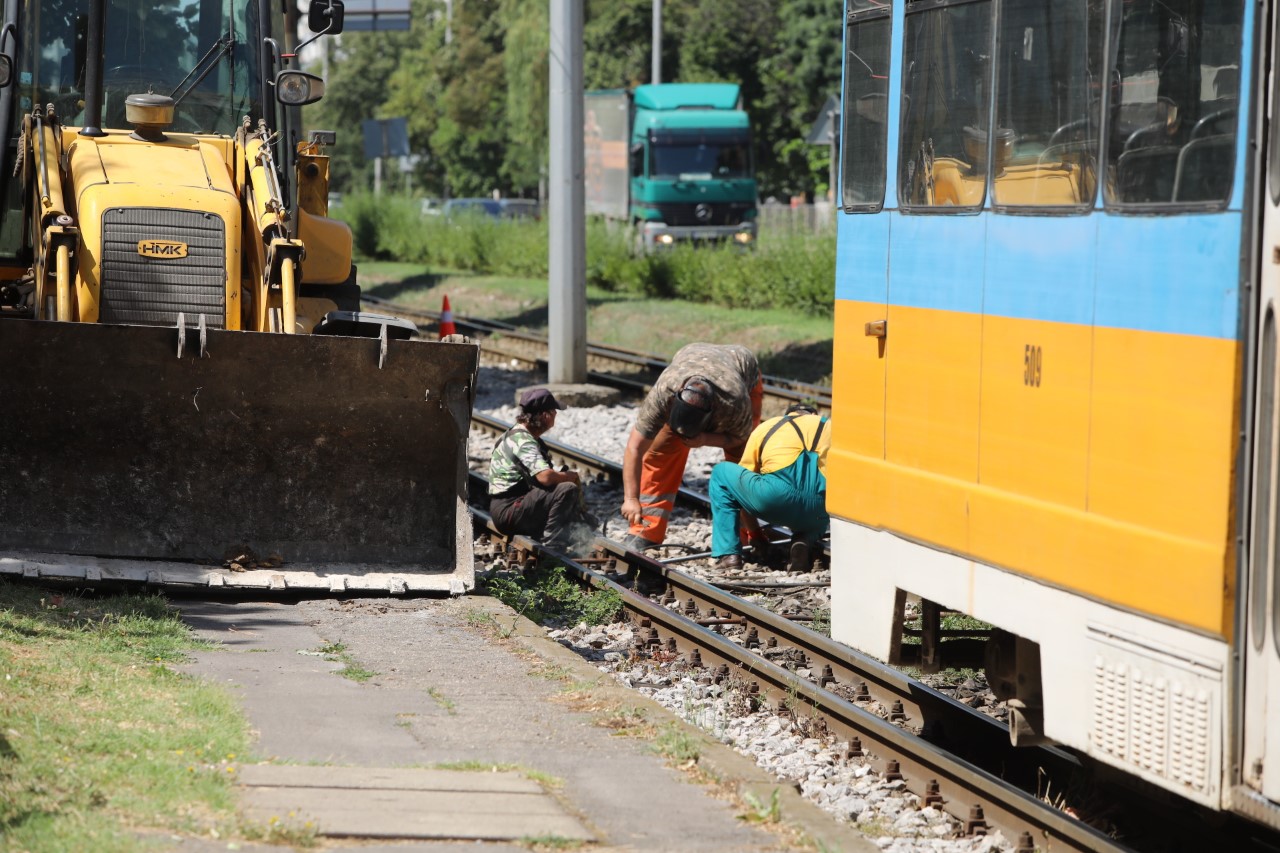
(455, 207)
(502, 208)
(520, 208)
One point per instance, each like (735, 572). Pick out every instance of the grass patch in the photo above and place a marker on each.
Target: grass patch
(787, 342)
(443, 701)
(627, 721)
(477, 767)
(758, 812)
(676, 744)
(821, 621)
(546, 780)
(548, 596)
(488, 622)
(551, 842)
(98, 735)
(351, 668)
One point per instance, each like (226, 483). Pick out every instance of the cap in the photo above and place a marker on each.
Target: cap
(691, 409)
(539, 400)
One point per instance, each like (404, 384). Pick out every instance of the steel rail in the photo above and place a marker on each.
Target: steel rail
(777, 387)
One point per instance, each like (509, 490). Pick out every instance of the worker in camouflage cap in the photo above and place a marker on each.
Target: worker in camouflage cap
(708, 396)
(527, 496)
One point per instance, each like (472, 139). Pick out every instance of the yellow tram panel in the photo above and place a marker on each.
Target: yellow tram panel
(1067, 488)
(932, 390)
(857, 420)
(1034, 430)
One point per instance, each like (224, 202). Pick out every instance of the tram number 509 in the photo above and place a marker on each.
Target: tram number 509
(1032, 362)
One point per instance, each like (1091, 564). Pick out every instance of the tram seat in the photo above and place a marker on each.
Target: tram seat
(956, 183)
(1147, 174)
(1204, 169)
(1052, 180)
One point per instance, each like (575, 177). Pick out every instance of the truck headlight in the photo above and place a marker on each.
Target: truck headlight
(743, 237)
(295, 88)
(665, 239)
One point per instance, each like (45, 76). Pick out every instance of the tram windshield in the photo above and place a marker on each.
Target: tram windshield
(202, 53)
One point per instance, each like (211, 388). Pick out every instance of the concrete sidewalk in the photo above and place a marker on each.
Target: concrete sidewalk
(446, 693)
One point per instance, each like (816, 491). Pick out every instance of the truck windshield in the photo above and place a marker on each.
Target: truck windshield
(151, 46)
(692, 161)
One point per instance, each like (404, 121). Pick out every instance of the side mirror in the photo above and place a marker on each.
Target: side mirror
(296, 88)
(325, 16)
(6, 71)
(637, 160)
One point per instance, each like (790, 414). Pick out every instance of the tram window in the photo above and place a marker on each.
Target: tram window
(1174, 97)
(863, 121)
(946, 104)
(1048, 100)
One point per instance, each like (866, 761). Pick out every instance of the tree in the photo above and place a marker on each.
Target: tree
(797, 75)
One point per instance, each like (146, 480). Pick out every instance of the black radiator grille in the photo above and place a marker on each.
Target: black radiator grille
(153, 291)
(721, 213)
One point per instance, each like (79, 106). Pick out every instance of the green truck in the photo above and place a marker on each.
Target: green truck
(673, 159)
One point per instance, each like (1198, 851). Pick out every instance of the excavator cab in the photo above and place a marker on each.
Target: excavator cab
(192, 395)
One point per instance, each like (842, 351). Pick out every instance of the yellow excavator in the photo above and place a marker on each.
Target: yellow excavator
(189, 391)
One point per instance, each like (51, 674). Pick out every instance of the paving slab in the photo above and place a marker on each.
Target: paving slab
(445, 694)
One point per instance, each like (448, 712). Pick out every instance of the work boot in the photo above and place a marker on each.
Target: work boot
(729, 563)
(799, 561)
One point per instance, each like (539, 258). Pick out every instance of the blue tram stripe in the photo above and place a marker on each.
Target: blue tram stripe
(1176, 274)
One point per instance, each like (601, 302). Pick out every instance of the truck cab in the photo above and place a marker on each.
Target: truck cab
(689, 171)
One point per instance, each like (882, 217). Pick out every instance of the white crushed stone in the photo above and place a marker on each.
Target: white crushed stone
(851, 790)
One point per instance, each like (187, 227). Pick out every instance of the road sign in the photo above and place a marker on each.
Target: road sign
(385, 137)
(375, 15)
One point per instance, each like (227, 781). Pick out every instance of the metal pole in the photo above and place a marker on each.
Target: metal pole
(567, 261)
(655, 73)
(93, 70)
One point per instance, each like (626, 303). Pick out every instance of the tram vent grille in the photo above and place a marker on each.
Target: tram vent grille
(1152, 722)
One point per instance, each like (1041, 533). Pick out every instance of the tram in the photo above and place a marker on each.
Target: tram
(1055, 381)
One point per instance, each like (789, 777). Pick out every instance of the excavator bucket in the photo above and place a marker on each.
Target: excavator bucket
(239, 459)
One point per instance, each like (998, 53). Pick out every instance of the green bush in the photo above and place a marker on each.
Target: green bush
(793, 270)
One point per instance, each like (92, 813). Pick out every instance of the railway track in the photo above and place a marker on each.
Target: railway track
(628, 371)
(948, 754)
(777, 662)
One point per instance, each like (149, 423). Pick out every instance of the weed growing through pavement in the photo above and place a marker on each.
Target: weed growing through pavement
(761, 812)
(282, 831)
(442, 700)
(677, 744)
(546, 595)
(488, 622)
(551, 842)
(337, 653)
(546, 780)
(477, 766)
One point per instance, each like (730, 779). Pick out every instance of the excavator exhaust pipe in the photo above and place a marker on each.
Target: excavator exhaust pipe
(239, 459)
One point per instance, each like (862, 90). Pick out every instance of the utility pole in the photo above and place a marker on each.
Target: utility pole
(655, 72)
(567, 261)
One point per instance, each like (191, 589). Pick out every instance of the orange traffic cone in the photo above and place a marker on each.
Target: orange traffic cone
(446, 320)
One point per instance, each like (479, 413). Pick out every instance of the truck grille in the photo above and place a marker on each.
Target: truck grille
(723, 213)
(153, 291)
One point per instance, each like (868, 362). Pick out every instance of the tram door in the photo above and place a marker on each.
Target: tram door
(1260, 766)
